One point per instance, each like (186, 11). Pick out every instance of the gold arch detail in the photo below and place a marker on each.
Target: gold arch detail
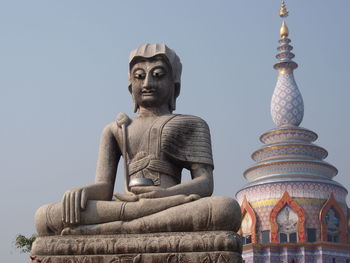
(343, 229)
(246, 208)
(287, 200)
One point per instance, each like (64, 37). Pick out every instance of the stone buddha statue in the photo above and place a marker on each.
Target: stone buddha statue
(156, 145)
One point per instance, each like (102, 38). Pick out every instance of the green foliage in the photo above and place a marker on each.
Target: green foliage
(23, 243)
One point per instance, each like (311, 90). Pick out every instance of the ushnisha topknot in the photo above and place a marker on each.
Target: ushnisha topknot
(152, 50)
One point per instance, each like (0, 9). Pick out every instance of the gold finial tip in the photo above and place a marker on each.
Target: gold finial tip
(284, 32)
(283, 10)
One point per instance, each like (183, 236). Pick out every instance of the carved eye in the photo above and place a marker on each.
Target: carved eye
(139, 74)
(158, 72)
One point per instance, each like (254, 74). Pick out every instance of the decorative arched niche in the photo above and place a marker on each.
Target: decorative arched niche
(333, 221)
(291, 209)
(248, 226)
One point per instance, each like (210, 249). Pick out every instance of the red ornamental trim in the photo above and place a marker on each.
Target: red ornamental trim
(246, 208)
(287, 200)
(343, 229)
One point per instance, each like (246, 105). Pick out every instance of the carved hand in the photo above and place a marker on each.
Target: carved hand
(73, 201)
(139, 192)
(150, 192)
(128, 197)
(155, 193)
(145, 189)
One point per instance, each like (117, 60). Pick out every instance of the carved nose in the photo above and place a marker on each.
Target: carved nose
(148, 81)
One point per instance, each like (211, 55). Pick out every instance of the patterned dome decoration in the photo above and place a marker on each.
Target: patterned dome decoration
(287, 107)
(293, 210)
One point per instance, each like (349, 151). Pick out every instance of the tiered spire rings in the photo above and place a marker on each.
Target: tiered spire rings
(289, 174)
(287, 107)
(289, 153)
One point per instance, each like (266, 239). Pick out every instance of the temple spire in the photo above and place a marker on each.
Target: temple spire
(287, 107)
(283, 10)
(284, 31)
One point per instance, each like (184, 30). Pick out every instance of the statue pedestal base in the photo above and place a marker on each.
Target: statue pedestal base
(171, 247)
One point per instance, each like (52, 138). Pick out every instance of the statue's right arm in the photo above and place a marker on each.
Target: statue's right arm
(75, 200)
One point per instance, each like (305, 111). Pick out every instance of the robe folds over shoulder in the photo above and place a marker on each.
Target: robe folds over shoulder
(187, 138)
(172, 143)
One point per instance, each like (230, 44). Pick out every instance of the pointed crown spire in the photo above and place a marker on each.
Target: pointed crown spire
(283, 10)
(287, 107)
(284, 31)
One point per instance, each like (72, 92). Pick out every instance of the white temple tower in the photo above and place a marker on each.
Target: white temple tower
(293, 210)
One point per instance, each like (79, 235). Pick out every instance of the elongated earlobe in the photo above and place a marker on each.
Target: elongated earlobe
(172, 103)
(135, 106)
(174, 95)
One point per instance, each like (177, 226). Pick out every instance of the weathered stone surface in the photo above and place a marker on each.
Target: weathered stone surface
(206, 246)
(194, 257)
(159, 218)
(144, 243)
(156, 145)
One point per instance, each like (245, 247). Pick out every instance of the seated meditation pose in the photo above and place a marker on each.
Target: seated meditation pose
(155, 145)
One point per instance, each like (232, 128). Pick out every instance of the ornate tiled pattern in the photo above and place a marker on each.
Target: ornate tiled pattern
(310, 196)
(290, 171)
(288, 134)
(290, 168)
(304, 253)
(311, 207)
(295, 189)
(300, 151)
(263, 217)
(287, 105)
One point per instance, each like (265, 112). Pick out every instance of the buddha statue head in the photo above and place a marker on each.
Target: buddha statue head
(159, 69)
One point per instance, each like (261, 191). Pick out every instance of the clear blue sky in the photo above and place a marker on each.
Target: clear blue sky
(63, 67)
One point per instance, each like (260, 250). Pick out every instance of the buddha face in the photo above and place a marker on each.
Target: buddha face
(152, 83)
